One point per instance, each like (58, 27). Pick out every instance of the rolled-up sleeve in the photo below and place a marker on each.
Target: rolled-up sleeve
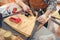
(52, 5)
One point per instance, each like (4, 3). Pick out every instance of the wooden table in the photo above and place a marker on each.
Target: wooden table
(55, 13)
(25, 27)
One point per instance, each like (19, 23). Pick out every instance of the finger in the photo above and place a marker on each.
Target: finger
(38, 18)
(28, 9)
(42, 20)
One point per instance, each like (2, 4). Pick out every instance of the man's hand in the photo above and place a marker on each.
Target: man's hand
(23, 5)
(42, 19)
(26, 8)
(45, 17)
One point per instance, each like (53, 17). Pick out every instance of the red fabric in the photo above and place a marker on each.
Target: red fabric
(15, 20)
(14, 10)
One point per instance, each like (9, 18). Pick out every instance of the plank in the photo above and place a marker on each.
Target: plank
(56, 15)
(25, 27)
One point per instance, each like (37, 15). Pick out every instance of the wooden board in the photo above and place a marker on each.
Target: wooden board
(26, 27)
(9, 35)
(56, 15)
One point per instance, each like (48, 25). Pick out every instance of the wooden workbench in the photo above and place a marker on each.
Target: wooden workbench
(55, 13)
(25, 27)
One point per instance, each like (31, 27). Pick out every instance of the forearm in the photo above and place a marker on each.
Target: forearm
(20, 3)
(47, 13)
(51, 7)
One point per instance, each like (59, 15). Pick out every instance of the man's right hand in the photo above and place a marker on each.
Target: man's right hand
(26, 8)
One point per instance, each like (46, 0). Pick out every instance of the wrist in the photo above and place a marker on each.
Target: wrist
(47, 13)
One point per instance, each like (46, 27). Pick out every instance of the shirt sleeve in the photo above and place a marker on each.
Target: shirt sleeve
(52, 5)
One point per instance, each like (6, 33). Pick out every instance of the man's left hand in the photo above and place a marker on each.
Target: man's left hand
(42, 19)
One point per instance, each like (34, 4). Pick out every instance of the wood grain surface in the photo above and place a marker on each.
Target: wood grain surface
(25, 27)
